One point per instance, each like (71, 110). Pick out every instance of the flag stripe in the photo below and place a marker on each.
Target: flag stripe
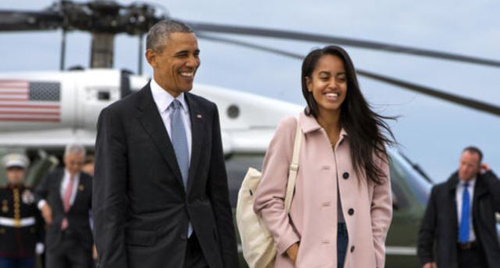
(30, 119)
(48, 107)
(30, 101)
(14, 98)
(28, 113)
(11, 92)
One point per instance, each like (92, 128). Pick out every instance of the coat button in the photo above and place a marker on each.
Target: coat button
(351, 211)
(352, 249)
(183, 237)
(345, 175)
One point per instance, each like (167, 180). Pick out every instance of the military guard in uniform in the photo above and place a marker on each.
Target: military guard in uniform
(21, 226)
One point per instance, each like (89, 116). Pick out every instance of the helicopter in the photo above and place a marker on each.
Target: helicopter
(247, 121)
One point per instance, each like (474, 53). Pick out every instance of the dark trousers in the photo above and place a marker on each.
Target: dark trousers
(471, 258)
(69, 253)
(342, 241)
(194, 257)
(17, 262)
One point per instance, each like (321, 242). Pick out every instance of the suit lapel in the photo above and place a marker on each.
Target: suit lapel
(80, 188)
(197, 119)
(58, 185)
(452, 187)
(151, 121)
(479, 190)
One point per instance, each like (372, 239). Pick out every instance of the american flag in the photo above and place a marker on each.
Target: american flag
(29, 101)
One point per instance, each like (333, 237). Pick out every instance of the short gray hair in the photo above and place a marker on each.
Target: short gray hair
(159, 33)
(74, 149)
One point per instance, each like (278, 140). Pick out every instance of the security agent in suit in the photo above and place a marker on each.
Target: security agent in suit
(64, 197)
(21, 225)
(460, 218)
(161, 196)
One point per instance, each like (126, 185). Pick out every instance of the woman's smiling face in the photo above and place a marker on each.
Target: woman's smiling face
(328, 83)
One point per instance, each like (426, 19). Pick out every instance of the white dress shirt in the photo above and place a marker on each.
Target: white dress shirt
(64, 185)
(163, 99)
(459, 195)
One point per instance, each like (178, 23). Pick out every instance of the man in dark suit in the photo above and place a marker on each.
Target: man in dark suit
(161, 197)
(65, 199)
(459, 222)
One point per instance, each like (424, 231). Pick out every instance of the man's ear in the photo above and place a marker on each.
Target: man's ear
(151, 57)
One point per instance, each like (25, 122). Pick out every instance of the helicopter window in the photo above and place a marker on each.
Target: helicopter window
(233, 111)
(237, 166)
(104, 95)
(408, 184)
(399, 200)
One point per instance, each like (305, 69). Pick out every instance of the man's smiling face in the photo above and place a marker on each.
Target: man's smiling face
(176, 64)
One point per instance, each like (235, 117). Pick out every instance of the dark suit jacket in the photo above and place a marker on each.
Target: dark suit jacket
(439, 228)
(78, 215)
(141, 209)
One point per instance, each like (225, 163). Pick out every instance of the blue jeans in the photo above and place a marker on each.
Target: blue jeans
(342, 240)
(17, 262)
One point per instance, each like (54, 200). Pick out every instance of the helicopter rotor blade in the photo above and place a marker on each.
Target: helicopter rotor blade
(432, 92)
(11, 21)
(301, 36)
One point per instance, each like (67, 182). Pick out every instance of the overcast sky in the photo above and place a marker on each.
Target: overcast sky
(431, 132)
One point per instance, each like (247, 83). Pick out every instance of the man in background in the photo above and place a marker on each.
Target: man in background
(64, 197)
(21, 227)
(460, 218)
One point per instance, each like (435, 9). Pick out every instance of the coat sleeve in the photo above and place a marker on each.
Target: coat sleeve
(494, 188)
(42, 190)
(381, 213)
(269, 201)
(427, 233)
(218, 193)
(109, 204)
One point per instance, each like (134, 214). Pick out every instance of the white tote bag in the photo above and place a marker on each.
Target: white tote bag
(257, 242)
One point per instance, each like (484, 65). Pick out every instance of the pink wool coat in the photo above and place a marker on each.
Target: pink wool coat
(367, 208)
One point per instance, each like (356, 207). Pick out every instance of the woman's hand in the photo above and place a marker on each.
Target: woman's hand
(292, 252)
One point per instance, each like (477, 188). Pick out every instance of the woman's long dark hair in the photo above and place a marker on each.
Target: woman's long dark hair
(363, 125)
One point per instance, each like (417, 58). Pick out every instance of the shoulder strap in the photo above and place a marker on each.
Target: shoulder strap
(294, 167)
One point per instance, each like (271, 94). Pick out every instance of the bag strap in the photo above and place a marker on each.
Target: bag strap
(294, 167)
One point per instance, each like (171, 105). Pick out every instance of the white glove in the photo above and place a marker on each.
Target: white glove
(40, 247)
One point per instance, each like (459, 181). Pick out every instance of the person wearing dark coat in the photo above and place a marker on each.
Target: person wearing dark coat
(459, 226)
(65, 198)
(21, 225)
(161, 196)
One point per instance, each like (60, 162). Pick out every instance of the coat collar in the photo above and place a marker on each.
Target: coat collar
(151, 121)
(308, 123)
(479, 189)
(198, 134)
(149, 117)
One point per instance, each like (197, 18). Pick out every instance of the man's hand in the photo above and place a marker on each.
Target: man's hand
(94, 252)
(430, 265)
(292, 252)
(47, 214)
(484, 168)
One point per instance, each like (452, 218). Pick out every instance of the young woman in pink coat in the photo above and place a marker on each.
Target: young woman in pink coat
(342, 208)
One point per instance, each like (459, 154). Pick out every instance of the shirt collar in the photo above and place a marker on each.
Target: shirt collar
(471, 183)
(163, 99)
(67, 174)
(309, 124)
